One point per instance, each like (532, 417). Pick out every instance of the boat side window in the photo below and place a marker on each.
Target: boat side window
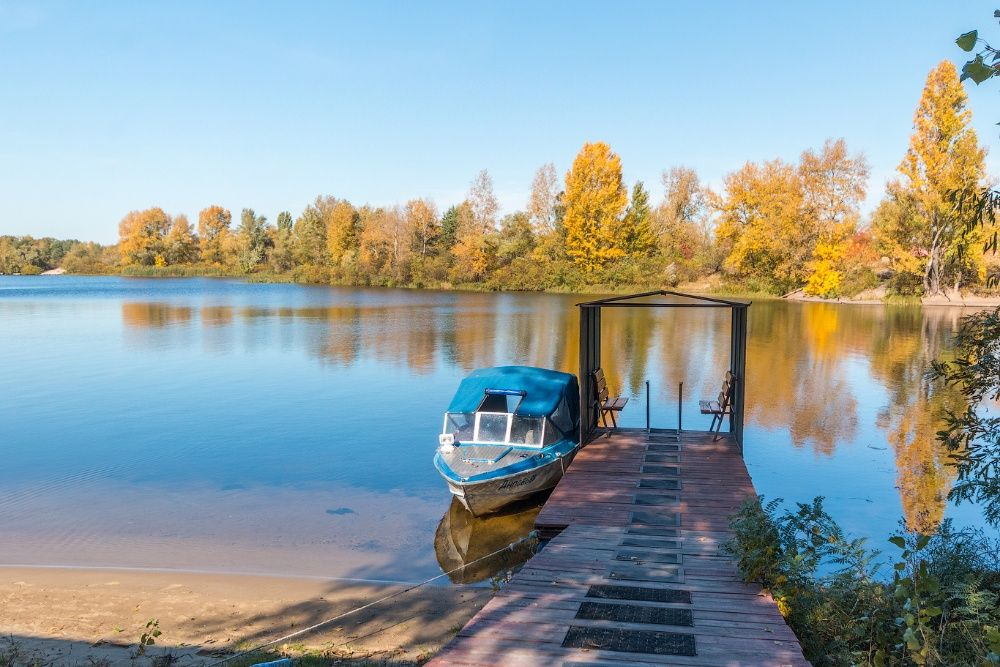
(552, 434)
(526, 431)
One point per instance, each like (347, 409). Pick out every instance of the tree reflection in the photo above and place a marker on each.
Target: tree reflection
(808, 365)
(906, 344)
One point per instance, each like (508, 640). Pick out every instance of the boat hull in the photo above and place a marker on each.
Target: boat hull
(492, 495)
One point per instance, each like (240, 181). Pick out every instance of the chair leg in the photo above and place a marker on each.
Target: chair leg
(613, 420)
(718, 430)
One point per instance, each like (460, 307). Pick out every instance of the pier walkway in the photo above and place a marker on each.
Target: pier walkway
(634, 574)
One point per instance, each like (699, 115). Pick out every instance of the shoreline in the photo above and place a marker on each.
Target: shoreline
(77, 615)
(961, 301)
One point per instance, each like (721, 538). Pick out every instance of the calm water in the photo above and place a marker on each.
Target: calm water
(217, 425)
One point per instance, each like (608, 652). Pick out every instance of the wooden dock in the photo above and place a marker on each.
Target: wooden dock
(633, 574)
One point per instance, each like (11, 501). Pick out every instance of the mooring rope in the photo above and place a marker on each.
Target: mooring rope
(510, 547)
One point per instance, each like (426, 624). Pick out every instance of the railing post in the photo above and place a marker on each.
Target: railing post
(647, 407)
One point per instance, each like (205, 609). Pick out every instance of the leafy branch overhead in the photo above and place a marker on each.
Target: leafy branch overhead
(986, 63)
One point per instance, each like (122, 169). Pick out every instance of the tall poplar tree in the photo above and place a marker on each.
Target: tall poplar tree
(944, 157)
(595, 200)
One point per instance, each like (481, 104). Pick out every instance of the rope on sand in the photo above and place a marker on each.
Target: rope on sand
(533, 535)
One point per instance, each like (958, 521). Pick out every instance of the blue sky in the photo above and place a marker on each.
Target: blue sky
(113, 106)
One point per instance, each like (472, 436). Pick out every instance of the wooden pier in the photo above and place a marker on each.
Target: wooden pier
(634, 574)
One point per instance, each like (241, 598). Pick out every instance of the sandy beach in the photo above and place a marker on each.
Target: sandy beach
(95, 616)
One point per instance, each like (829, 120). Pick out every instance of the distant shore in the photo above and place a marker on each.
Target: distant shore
(72, 616)
(875, 297)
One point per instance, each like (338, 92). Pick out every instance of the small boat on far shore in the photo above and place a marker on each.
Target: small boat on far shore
(509, 433)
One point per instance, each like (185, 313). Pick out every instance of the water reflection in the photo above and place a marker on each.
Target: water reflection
(813, 369)
(463, 539)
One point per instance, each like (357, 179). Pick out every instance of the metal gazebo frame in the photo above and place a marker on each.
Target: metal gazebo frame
(590, 350)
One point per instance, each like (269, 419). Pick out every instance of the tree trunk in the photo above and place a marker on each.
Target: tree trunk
(932, 274)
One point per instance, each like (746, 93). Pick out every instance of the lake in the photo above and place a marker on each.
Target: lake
(216, 425)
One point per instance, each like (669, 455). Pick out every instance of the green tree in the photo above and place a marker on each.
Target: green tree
(449, 227)
(181, 245)
(281, 256)
(638, 240)
(251, 240)
(310, 233)
(595, 200)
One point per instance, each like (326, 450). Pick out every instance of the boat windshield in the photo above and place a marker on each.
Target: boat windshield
(501, 428)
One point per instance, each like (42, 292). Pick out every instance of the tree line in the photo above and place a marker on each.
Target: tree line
(773, 226)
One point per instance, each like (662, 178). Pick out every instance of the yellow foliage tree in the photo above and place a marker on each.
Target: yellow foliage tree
(141, 237)
(761, 228)
(595, 200)
(943, 157)
(342, 223)
(825, 276)
(213, 230)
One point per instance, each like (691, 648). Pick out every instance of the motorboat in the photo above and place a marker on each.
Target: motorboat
(509, 432)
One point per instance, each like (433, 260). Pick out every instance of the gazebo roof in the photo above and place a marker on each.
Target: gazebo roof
(693, 301)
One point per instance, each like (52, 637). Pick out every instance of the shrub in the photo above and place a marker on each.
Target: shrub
(940, 607)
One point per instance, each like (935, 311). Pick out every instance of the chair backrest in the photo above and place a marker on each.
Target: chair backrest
(726, 395)
(601, 385)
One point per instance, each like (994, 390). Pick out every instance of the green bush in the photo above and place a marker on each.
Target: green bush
(939, 607)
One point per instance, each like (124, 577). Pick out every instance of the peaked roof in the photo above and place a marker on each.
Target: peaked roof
(694, 301)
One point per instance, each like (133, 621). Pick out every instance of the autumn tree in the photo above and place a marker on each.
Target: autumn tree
(760, 226)
(474, 249)
(544, 198)
(595, 200)
(483, 202)
(943, 157)
(342, 228)
(213, 228)
(834, 184)
(383, 250)
(681, 226)
(423, 224)
(181, 245)
(141, 237)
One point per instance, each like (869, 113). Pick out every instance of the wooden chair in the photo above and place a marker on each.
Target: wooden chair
(721, 407)
(604, 403)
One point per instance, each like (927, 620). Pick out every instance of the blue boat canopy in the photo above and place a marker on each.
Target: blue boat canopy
(545, 393)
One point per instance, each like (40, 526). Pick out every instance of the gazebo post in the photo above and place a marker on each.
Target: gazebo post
(590, 361)
(737, 366)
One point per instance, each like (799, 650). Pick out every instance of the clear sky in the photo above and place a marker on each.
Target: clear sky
(107, 106)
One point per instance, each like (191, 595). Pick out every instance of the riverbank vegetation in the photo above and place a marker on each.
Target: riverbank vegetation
(933, 600)
(772, 227)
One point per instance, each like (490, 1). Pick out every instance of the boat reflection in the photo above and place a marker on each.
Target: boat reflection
(462, 538)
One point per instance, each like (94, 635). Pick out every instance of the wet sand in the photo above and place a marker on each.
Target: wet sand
(96, 616)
